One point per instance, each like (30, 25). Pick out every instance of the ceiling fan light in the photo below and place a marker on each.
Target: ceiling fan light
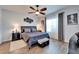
(37, 13)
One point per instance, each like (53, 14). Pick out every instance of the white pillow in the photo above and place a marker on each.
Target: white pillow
(34, 29)
(27, 30)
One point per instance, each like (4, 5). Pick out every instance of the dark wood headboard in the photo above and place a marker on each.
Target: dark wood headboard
(25, 27)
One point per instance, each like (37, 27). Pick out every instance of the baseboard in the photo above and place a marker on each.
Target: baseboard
(54, 38)
(6, 41)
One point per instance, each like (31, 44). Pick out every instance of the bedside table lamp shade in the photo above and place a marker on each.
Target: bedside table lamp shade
(16, 28)
(15, 33)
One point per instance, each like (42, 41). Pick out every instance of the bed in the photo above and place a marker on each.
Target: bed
(31, 36)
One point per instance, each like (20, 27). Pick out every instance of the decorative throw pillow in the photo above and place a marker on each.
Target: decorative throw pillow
(28, 30)
(33, 29)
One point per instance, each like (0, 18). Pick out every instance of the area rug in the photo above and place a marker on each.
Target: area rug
(14, 45)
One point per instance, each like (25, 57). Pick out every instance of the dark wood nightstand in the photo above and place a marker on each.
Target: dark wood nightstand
(15, 36)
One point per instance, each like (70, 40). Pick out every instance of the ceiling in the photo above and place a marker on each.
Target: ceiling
(25, 8)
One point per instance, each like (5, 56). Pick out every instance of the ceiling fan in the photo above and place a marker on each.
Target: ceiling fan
(37, 10)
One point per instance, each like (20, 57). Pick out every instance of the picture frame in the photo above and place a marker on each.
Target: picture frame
(72, 19)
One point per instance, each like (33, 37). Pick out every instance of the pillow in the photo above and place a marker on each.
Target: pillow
(27, 30)
(33, 30)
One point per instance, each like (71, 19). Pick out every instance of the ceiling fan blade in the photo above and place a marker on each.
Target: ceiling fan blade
(42, 13)
(43, 9)
(32, 8)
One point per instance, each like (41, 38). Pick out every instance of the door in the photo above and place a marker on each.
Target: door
(60, 26)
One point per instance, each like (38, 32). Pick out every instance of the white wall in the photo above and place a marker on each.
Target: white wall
(0, 27)
(69, 30)
(40, 25)
(53, 31)
(9, 19)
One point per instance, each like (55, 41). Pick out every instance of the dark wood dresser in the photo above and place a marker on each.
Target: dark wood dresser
(15, 36)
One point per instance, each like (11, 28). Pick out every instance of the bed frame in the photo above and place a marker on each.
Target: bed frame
(26, 27)
(33, 27)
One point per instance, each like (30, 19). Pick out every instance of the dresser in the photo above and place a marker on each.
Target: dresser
(15, 36)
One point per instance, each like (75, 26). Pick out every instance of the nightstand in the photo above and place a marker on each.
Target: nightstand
(15, 36)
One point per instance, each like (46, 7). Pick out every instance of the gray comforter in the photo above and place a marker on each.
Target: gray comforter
(33, 37)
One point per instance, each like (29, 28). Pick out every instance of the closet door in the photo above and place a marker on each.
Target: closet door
(60, 26)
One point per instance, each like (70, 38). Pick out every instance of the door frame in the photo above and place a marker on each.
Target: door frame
(60, 27)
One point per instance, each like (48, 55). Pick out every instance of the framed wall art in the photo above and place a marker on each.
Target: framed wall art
(72, 19)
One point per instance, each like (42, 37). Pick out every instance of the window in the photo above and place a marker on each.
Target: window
(51, 25)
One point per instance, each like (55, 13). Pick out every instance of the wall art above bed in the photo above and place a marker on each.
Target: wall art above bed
(28, 20)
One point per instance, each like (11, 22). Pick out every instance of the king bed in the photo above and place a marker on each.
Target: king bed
(31, 36)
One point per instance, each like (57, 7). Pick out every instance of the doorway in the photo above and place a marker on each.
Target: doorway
(60, 26)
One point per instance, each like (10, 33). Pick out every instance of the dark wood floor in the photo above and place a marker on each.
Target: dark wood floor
(55, 47)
